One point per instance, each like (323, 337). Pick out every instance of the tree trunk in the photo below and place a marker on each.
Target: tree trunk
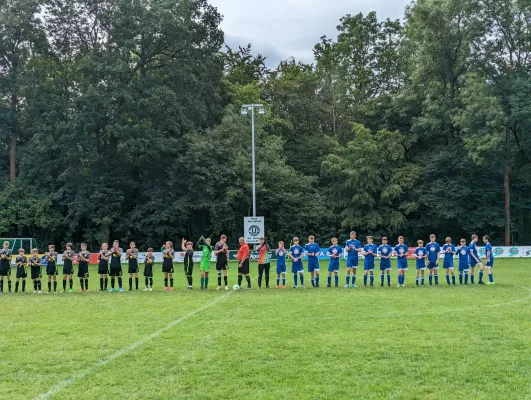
(507, 189)
(14, 137)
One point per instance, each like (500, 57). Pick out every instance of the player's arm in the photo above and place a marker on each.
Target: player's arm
(474, 256)
(487, 255)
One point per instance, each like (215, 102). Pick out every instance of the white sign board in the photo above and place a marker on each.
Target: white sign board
(253, 228)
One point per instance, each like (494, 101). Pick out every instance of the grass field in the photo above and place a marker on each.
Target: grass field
(463, 342)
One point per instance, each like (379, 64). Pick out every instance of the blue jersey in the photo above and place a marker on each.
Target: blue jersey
(473, 248)
(385, 250)
(449, 257)
(401, 251)
(352, 253)
(463, 253)
(281, 256)
(369, 258)
(433, 252)
(421, 251)
(313, 248)
(490, 258)
(335, 251)
(296, 252)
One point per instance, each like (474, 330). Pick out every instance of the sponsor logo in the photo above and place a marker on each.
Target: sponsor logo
(513, 251)
(254, 230)
(498, 251)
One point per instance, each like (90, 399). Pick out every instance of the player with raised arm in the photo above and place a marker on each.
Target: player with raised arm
(402, 252)
(433, 250)
(221, 251)
(281, 264)
(103, 266)
(51, 268)
(132, 257)
(385, 252)
(243, 263)
(68, 267)
(148, 269)
(206, 253)
(335, 252)
(464, 261)
(449, 251)
(82, 268)
(475, 260)
(312, 252)
(489, 262)
(5, 266)
(353, 248)
(296, 252)
(116, 265)
(369, 252)
(21, 262)
(420, 255)
(167, 264)
(264, 264)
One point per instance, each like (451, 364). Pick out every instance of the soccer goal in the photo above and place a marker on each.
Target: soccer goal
(16, 243)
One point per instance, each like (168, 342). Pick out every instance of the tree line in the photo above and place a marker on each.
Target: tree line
(121, 119)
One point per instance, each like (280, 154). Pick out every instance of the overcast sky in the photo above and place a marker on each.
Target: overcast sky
(279, 29)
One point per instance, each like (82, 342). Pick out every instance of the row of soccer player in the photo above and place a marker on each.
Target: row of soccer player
(110, 263)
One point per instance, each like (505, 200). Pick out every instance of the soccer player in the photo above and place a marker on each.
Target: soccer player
(421, 255)
(206, 249)
(264, 264)
(167, 264)
(51, 268)
(243, 263)
(353, 248)
(401, 251)
(21, 262)
(369, 252)
(148, 269)
(281, 264)
(464, 261)
(36, 270)
(188, 248)
(68, 266)
(312, 252)
(449, 251)
(5, 266)
(132, 258)
(489, 263)
(296, 252)
(103, 266)
(221, 251)
(385, 252)
(433, 250)
(82, 268)
(116, 265)
(475, 260)
(335, 252)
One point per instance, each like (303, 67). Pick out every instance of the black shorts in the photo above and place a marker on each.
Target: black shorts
(167, 266)
(245, 268)
(68, 270)
(148, 270)
(51, 270)
(116, 272)
(82, 271)
(21, 273)
(221, 266)
(36, 273)
(5, 272)
(103, 270)
(133, 269)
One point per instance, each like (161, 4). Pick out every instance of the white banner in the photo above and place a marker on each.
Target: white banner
(253, 228)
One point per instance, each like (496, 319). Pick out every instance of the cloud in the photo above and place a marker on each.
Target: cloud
(279, 29)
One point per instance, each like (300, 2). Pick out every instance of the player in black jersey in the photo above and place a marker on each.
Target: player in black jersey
(51, 268)
(221, 251)
(103, 266)
(68, 266)
(83, 263)
(5, 266)
(148, 269)
(36, 270)
(22, 262)
(132, 258)
(188, 248)
(116, 265)
(167, 264)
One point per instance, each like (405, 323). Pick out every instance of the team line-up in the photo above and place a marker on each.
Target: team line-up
(109, 263)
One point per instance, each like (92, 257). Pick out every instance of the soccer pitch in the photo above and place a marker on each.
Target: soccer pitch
(462, 342)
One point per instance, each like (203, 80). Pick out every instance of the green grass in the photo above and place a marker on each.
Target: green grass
(464, 342)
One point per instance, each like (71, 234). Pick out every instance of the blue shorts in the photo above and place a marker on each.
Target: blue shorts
(281, 268)
(421, 266)
(463, 267)
(352, 262)
(333, 267)
(433, 265)
(313, 264)
(386, 266)
(473, 262)
(448, 265)
(402, 263)
(368, 267)
(489, 264)
(297, 267)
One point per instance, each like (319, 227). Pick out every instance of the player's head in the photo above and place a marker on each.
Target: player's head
(189, 245)
(104, 246)
(208, 241)
(420, 243)
(69, 246)
(334, 241)
(281, 244)
(384, 240)
(295, 240)
(168, 245)
(150, 250)
(241, 241)
(486, 239)
(223, 238)
(116, 243)
(51, 247)
(261, 239)
(6, 244)
(21, 251)
(311, 238)
(34, 251)
(369, 239)
(132, 245)
(83, 246)
(474, 238)
(401, 239)
(463, 242)
(432, 237)
(448, 240)
(353, 235)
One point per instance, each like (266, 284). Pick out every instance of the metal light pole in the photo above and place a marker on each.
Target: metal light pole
(244, 111)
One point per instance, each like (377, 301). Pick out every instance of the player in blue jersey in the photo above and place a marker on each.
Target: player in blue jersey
(475, 260)
(281, 264)
(335, 252)
(385, 252)
(489, 263)
(401, 251)
(353, 248)
(296, 252)
(434, 250)
(420, 254)
(312, 252)
(449, 251)
(463, 252)
(369, 252)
